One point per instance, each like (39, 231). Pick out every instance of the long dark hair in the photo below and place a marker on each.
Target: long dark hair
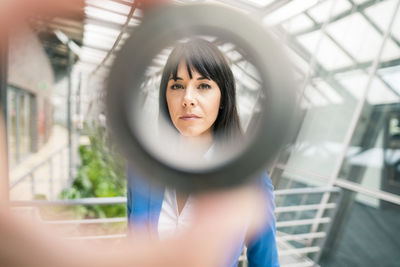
(208, 60)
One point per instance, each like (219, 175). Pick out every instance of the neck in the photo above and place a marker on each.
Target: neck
(198, 144)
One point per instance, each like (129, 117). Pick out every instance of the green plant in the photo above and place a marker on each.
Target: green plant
(101, 174)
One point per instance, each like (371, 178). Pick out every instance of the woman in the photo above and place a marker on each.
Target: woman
(197, 95)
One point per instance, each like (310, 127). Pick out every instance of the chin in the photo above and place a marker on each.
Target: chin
(190, 133)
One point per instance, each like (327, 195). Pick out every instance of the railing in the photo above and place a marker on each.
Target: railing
(295, 214)
(49, 162)
(36, 204)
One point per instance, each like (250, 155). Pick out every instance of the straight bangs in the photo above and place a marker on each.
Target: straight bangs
(197, 57)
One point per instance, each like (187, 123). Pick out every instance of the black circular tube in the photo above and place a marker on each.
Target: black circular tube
(161, 28)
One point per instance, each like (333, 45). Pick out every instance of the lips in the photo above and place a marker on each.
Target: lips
(189, 117)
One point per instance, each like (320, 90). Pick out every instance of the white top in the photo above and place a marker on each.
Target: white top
(171, 222)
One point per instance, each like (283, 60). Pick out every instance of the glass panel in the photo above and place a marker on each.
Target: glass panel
(356, 82)
(366, 233)
(100, 30)
(392, 77)
(91, 58)
(319, 142)
(92, 52)
(298, 23)
(330, 99)
(328, 91)
(98, 37)
(291, 9)
(315, 96)
(377, 164)
(362, 41)
(92, 12)
(328, 53)
(322, 11)
(110, 5)
(375, 13)
(294, 176)
(396, 26)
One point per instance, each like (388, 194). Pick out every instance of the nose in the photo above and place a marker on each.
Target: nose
(189, 99)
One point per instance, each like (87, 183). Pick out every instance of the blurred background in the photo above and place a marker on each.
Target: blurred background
(338, 183)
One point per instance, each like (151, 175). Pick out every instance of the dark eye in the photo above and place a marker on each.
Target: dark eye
(204, 86)
(176, 86)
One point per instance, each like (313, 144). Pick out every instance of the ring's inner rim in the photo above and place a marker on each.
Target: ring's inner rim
(136, 110)
(258, 154)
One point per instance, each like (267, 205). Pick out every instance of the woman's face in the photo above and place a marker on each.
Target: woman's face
(193, 104)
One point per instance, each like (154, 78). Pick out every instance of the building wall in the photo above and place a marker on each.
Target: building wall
(30, 72)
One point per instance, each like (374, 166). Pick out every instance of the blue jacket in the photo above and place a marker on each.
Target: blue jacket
(144, 207)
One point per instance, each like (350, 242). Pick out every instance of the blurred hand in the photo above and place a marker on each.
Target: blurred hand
(220, 218)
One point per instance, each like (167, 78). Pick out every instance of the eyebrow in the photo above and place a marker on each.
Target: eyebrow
(179, 78)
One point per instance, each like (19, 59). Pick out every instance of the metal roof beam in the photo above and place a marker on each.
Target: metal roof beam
(367, 64)
(358, 8)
